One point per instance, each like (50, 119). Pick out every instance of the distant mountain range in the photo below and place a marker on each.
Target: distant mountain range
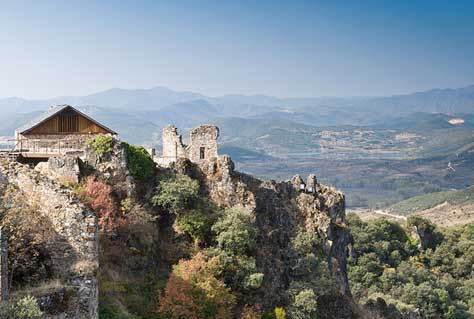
(378, 150)
(140, 114)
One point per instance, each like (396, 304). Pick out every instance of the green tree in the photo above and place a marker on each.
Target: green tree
(236, 232)
(176, 193)
(140, 163)
(101, 144)
(304, 305)
(196, 224)
(25, 308)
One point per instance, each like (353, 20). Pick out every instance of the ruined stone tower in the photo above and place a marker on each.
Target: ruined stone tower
(201, 149)
(173, 147)
(203, 145)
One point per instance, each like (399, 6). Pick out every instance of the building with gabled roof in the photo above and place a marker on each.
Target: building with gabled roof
(60, 130)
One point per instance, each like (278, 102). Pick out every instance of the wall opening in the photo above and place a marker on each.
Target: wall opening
(202, 152)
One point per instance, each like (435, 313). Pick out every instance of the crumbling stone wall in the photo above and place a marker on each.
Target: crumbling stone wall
(203, 143)
(173, 147)
(74, 250)
(201, 150)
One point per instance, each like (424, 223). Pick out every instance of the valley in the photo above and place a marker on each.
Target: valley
(379, 151)
(392, 167)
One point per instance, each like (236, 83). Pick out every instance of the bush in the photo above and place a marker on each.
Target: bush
(249, 313)
(176, 193)
(140, 163)
(236, 237)
(126, 205)
(280, 313)
(99, 196)
(430, 236)
(101, 144)
(304, 305)
(254, 281)
(304, 242)
(109, 311)
(237, 270)
(236, 232)
(196, 224)
(194, 292)
(25, 308)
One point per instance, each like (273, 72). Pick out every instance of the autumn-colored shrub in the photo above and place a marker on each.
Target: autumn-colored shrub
(99, 196)
(193, 292)
(249, 313)
(280, 313)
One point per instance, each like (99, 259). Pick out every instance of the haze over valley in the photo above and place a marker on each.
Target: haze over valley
(378, 150)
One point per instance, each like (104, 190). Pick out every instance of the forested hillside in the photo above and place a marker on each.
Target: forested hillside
(417, 267)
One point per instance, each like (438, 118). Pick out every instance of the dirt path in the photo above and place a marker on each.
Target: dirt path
(381, 212)
(368, 214)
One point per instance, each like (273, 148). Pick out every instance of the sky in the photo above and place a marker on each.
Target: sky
(281, 48)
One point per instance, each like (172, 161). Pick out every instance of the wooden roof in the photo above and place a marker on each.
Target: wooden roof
(53, 111)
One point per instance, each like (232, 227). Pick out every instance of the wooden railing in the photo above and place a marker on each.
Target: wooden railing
(42, 146)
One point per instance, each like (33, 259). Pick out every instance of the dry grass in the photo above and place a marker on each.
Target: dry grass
(41, 289)
(447, 215)
(85, 267)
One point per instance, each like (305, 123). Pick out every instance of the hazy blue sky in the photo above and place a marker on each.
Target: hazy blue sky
(282, 48)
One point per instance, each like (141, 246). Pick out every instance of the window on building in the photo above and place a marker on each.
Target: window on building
(202, 151)
(68, 123)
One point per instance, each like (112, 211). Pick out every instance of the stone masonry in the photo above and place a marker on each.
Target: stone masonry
(201, 150)
(75, 250)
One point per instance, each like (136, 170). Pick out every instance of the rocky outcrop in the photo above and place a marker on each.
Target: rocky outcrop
(65, 169)
(73, 249)
(113, 168)
(280, 208)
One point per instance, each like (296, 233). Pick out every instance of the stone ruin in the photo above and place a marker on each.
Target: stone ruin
(202, 147)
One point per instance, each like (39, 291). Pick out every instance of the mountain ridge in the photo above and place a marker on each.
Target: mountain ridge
(170, 96)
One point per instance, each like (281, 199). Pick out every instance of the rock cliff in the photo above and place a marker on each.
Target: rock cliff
(280, 209)
(61, 242)
(140, 252)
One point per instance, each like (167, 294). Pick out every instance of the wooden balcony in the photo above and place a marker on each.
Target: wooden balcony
(40, 148)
